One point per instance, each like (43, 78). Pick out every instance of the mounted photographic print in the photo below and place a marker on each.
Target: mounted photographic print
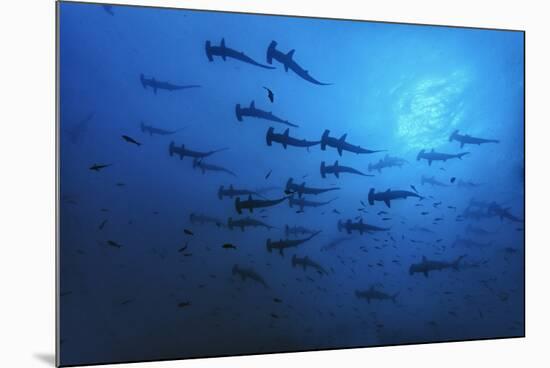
(233, 183)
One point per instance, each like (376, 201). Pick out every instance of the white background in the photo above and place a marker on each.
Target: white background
(27, 182)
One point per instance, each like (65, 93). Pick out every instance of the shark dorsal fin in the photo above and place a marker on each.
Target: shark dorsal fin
(222, 44)
(290, 54)
(252, 105)
(286, 132)
(343, 138)
(388, 190)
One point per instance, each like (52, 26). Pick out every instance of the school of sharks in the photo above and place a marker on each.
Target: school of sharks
(179, 239)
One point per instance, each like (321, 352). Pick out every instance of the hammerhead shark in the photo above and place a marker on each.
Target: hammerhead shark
(302, 202)
(254, 112)
(250, 203)
(340, 144)
(297, 230)
(306, 262)
(154, 130)
(246, 222)
(289, 63)
(287, 140)
(156, 85)
(390, 195)
(435, 156)
(497, 210)
(197, 218)
(433, 181)
(225, 52)
(466, 139)
(182, 151)
(232, 192)
(301, 189)
(387, 161)
(337, 169)
(373, 294)
(204, 167)
(248, 273)
(359, 226)
(283, 244)
(427, 266)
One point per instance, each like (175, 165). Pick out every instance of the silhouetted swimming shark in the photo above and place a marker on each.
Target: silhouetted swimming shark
(427, 266)
(204, 167)
(289, 63)
(387, 162)
(359, 226)
(466, 139)
(373, 294)
(306, 262)
(287, 140)
(246, 222)
(153, 130)
(250, 204)
(337, 169)
(297, 230)
(390, 195)
(497, 210)
(225, 52)
(183, 152)
(156, 85)
(433, 181)
(302, 202)
(435, 156)
(283, 244)
(195, 218)
(248, 273)
(254, 112)
(232, 192)
(340, 144)
(301, 189)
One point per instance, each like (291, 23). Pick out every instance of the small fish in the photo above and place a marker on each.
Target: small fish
(277, 300)
(120, 184)
(131, 140)
(182, 249)
(184, 304)
(102, 225)
(336, 211)
(436, 204)
(268, 174)
(270, 94)
(424, 213)
(386, 218)
(451, 207)
(438, 219)
(188, 232)
(289, 192)
(363, 204)
(228, 246)
(274, 315)
(187, 254)
(300, 211)
(113, 244)
(453, 179)
(442, 169)
(104, 210)
(98, 167)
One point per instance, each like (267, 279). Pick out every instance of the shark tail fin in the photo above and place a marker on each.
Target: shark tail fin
(208, 49)
(371, 196)
(324, 139)
(238, 112)
(323, 169)
(269, 136)
(238, 205)
(270, 51)
(460, 155)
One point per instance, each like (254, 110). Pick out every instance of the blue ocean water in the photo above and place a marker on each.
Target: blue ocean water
(142, 279)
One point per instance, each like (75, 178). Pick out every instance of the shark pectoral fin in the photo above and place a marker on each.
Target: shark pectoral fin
(430, 162)
(426, 273)
(340, 151)
(337, 174)
(387, 202)
(284, 145)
